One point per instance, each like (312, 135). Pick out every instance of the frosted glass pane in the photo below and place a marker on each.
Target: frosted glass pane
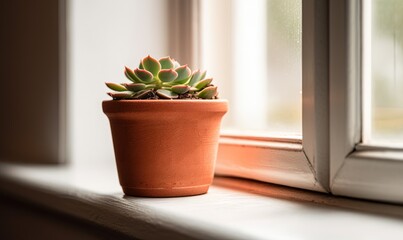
(284, 66)
(384, 38)
(253, 49)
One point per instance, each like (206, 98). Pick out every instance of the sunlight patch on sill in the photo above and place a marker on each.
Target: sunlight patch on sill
(261, 143)
(261, 136)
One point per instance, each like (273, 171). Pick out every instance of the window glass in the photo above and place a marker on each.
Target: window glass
(383, 72)
(253, 49)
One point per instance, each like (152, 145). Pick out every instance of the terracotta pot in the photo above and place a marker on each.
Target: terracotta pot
(165, 148)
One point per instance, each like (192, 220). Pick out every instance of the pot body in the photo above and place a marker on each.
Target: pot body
(165, 148)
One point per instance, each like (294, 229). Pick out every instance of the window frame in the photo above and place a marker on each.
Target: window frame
(356, 170)
(301, 163)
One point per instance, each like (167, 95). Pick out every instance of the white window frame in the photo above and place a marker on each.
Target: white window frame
(356, 170)
(291, 162)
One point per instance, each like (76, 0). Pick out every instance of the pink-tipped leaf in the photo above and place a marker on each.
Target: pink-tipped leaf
(121, 95)
(196, 77)
(142, 94)
(144, 75)
(184, 74)
(203, 83)
(166, 63)
(130, 75)
(167, 75)
(116, 86)
(180, 89)
(208, 93)
(167, 94)
(135, 87)
(151, 64)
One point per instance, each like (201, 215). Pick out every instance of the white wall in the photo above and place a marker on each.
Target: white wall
(102, 37)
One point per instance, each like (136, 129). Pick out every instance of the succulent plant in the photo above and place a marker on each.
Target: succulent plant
(163, 79)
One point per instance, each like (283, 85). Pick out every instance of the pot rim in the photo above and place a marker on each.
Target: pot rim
(176, 105)
(168, 100)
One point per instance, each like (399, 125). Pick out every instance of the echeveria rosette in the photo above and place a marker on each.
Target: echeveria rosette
(163, 79)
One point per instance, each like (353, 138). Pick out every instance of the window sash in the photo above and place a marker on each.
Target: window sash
(291, 162)
(356, 170)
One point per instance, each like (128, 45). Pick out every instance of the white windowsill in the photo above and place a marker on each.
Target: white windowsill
(233, 208)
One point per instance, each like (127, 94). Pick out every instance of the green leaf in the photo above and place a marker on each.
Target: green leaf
(141, 65)
(130, 75)
(151, 64)
(151, 86)
(176, 64)
(173, 83)
(184, 74)
(180, 89)
(116, 86)
(203, 75)
(165, 93)
(135, 87)
(144, 75)
(121, 95)
(166, 63)
(196, 76)
(208, 93)
(164, 84)
(203, 83)
(167, 75)
(193, 89)
(142, 94)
